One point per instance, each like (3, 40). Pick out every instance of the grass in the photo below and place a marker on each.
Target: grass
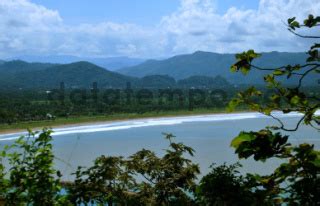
(22, 126)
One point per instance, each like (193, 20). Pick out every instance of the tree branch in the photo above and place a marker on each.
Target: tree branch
(304, 36)
(284, 67)
(282, 127)
(305, 74)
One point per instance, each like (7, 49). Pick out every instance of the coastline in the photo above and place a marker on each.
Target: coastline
(95, 120)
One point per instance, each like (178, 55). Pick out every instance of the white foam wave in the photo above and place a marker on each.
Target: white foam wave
(122, 125)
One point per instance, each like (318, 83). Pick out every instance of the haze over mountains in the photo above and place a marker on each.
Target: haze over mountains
(200, 69)
(20, 74)
(212, 64)
(110, 63)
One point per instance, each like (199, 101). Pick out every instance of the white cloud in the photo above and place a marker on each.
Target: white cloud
(196, 25)
(28, 28)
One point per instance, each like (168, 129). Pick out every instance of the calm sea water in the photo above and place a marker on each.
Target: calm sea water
(209, 135)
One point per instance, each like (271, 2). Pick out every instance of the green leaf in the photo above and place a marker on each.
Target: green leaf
(267, 111)
(290, 20)
(295, 100)
(278, 72)
(243, 137)
(314, 56)
(315, 46)
(269, 78)
(233, 68)
(233, 104)
(245, 70)
(294, 25)
(316, 163)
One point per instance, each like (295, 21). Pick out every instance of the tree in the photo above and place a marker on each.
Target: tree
(165, 180)
(297, 181)
(224, 185)
(108, 181)
(32, 180)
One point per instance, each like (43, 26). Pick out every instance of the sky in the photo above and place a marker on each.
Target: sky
(148, 28)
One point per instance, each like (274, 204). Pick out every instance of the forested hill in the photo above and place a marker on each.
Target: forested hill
(212, 64)
(19, 74)
(23, 75)
(165, 81)
(200, 69)
(110, 63)
(16, 66)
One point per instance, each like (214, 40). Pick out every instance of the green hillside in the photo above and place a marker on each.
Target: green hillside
(200, 69)
(212, 64)
(19, 74)
(217, 82)
(23, 75)
(16, 66)
(157, 81)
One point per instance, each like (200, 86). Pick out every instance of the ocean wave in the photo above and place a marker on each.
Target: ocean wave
(129, 124)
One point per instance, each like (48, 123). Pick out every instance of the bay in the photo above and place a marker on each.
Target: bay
(209, 135)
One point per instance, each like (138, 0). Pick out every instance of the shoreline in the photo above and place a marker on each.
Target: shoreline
(90, 121)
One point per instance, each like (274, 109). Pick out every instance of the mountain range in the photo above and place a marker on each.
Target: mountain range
(20, 74)
(200, 69)
(23, 75)
(110, 63)
(213, 64)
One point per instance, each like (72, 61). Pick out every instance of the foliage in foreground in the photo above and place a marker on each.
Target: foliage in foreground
(142, 179)
(297, 181)
(31, 176)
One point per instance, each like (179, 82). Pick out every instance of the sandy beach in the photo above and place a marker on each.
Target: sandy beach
(98, 122)
(122, 124)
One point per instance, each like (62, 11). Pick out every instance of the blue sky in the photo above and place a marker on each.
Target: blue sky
(143, 12)
(148, 28)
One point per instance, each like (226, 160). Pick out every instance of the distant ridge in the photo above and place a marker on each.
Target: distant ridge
(200, 70)
(212, 64)
(110, 63)
(20, 74)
